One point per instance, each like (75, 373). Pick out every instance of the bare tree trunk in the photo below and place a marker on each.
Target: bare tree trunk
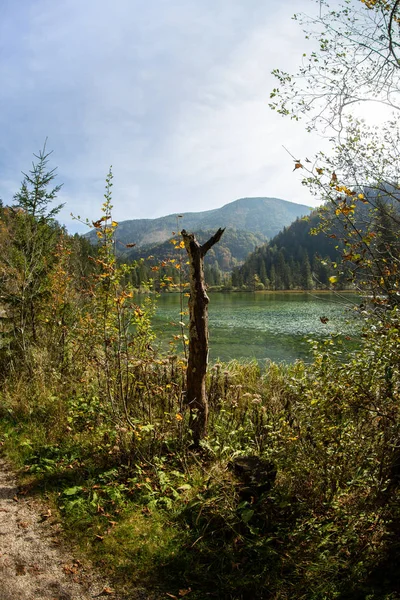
(196, 396)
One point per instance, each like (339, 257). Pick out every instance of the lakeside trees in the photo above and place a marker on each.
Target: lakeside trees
(354, 65)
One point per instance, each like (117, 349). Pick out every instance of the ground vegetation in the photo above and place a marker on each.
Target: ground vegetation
(294, 490)
(292, 493)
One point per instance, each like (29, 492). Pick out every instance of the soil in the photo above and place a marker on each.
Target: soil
(35, 562)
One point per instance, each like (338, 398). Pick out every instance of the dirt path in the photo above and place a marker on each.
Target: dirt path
(34, 564)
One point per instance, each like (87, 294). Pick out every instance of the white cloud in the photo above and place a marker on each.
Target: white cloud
(173, 93)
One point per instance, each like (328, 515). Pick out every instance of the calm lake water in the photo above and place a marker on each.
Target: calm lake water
(263, 325)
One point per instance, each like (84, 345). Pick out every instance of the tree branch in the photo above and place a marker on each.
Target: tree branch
(213, 240)
(391, 44)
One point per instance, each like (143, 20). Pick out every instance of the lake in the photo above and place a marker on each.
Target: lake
(263, 325)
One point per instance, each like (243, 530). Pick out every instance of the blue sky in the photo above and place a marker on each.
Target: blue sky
(173, 93)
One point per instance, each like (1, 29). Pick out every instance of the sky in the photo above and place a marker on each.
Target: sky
(172, 93)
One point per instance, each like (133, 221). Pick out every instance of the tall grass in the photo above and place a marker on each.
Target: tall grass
(157, 514)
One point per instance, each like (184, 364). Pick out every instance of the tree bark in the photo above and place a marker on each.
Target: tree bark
(196, 396)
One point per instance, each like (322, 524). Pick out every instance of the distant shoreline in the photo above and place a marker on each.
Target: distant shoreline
(235, 291)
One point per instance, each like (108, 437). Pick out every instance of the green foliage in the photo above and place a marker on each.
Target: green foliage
(28, 239)
(353, 62)
(221, 259)
(325, 527)
(100, 427)
(249, 222)
(34, 197)
(293, 259)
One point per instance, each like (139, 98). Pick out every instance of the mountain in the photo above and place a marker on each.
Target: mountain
(262, 216)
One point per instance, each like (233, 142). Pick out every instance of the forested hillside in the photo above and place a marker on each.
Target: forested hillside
(294, 259)
(155, 261)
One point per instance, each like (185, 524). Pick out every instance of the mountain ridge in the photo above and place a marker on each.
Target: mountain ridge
(263, 216)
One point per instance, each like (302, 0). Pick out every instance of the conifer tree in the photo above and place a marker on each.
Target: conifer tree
(28, 258)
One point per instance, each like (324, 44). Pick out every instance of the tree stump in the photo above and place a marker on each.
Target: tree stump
(196, 397)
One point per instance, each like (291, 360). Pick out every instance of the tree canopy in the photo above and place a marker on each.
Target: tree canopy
(354, 64)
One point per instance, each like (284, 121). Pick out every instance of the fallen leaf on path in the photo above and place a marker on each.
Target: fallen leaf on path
(70, 569)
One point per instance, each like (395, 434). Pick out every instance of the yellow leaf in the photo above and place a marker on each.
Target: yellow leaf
(114, 224)
(182, 244)
(178, 417)
(107, 591)
(333, 279)
(320, 171)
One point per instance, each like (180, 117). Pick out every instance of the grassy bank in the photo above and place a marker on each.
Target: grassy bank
(314, 512)
(292, 494)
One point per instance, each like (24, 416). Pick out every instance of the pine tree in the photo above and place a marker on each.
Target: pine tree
(33, 234)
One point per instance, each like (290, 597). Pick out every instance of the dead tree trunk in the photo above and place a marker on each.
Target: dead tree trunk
(196, 397)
